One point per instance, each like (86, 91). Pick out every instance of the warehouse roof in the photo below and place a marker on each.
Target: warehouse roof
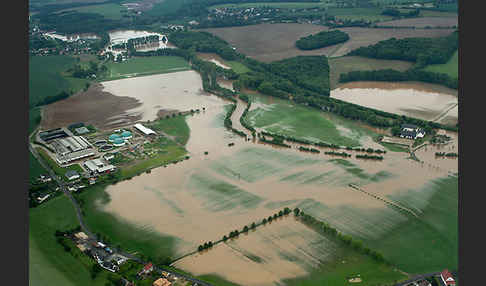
(143, 129)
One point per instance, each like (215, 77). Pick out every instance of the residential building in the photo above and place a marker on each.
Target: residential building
(149, 267)
(411, 131)
(447, 278)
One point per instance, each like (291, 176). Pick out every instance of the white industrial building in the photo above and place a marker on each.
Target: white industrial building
(143, 129)
(71, 148)
(99, 166)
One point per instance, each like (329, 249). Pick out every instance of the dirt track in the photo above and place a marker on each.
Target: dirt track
(271, 42)
(94, 106)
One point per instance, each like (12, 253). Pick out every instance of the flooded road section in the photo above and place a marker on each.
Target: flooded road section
(415, 100)
(210, 195)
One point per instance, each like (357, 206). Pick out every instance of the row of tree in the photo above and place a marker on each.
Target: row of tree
(398, 14)
(422, 51)
(366, 156)
(394, 75)
(321, 40)
(342, 154)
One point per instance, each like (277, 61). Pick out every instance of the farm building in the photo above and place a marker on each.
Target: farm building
(143, 129)
(72, 175)
(53, 134)
(447, 278)
(99, 166)
(81, 235)
(108, 156)
(149, 267)
(411, 131)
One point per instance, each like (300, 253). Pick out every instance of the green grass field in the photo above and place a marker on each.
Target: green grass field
(370, 14)
(46, 77)
(280, 116)
(110, 10)
(394, 147)
(166, 7)
(130, 237)
(35, 168)
(237, 67)
(347, 64)
(349, 264)
(145, 66)
(174, 126)
(428, 243)
(451, 67)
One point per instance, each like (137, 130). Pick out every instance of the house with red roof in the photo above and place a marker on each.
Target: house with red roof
(447, 278)
(146, 269)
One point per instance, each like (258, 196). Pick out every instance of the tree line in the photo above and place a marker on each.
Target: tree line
(321, 40)
(394, 75)
(422, 51)
(398, 14)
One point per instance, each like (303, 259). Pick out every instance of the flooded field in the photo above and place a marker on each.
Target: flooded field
(279, 250)
(410, 99)
(272, 42)
(209, 195)
(173, 91)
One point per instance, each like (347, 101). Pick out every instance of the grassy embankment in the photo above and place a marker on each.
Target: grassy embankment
(430, 242)
(279, 116)
(355, 63)
(145, 66)
(450, 68)
(49, 263)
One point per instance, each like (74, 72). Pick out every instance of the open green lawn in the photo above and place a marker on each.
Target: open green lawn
(370, 14)
(347, 265)
(451, 67)
(237, 67)
(110, 10)
(394, 147)
(166, 7)
(46, 77)
(216, 280)
(49, 263)
(174, 126)
(428, 243)
(170, 153)
(35, 168)
(130, 237)
(139, 66)
(280, 116)
(347, 64)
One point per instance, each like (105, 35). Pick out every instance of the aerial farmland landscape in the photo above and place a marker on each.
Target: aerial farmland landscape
(240, 142)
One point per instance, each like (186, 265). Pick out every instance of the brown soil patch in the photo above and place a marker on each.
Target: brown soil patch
(271, 42)
(93, 106)
(423, 22)
(416, 85)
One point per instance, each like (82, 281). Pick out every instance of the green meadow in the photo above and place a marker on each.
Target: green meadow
(279, 116)
(140, 66)
(428, 243)
(49, 263)
(237, 67)
(450, 68)
(173, 126)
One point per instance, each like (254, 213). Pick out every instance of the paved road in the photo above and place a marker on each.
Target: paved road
(418, 277)
(63, 187)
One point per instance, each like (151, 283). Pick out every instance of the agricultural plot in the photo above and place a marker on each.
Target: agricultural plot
(279, 116)
(422, 22)
(346, 64)
(145, 66)
(110, 10)
(366, 14)
(286, 5)
(272, 42)
(451, 67)
(399, 98)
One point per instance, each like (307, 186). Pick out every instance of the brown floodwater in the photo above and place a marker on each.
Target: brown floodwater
(214, 58)
(207, 196)
(411, 99)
